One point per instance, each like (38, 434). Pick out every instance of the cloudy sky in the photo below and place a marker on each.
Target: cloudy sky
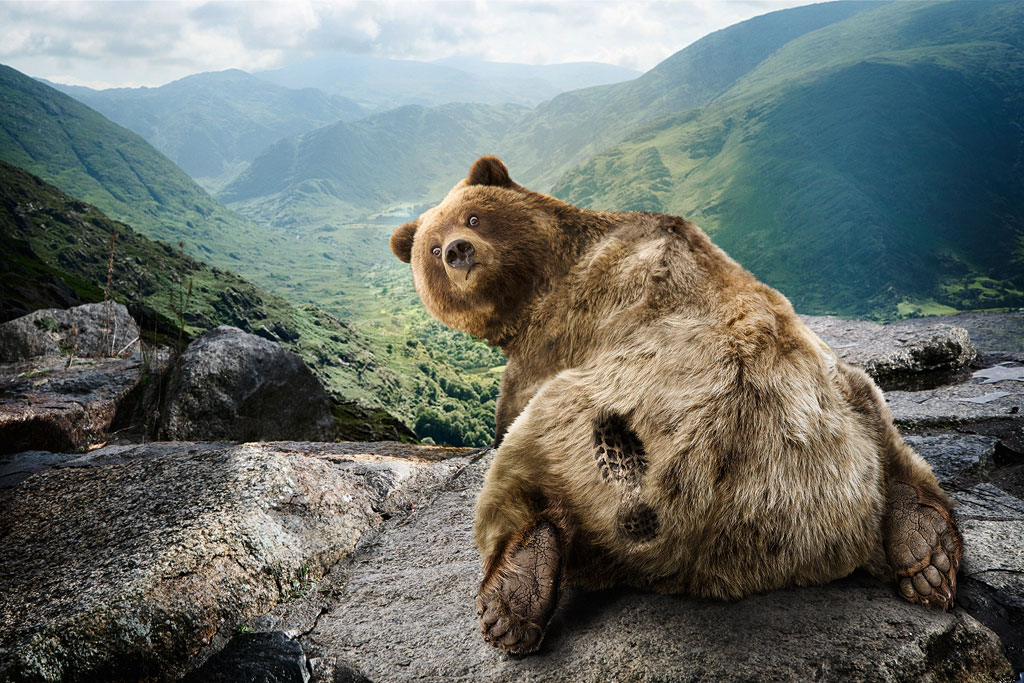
(116, 43)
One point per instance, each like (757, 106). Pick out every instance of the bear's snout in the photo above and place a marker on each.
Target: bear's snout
(459, 253)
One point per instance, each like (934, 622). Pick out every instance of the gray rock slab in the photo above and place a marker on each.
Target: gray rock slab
(126, 565)
(100, 330)
(229, 384)
(992, 579)
(47, 405)
(989, 503)
(952, 455)
(889, 352)
(991, 585)
(956, 404)
(996, 552)
(401, 608)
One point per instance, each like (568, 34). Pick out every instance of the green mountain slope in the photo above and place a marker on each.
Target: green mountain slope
(211, 124)
(405, 155)
(873, 167)
(574, 126)
(56, 250)
(90, 158)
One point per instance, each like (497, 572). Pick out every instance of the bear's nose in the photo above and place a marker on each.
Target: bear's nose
(459, 253)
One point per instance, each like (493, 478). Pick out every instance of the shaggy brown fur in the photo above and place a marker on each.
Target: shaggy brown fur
(665, 420)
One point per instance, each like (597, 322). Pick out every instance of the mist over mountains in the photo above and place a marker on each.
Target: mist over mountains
(865, 158)
(211, 123)
(379, 84)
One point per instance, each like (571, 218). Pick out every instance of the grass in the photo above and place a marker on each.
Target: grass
(35, 373)
(918, 309)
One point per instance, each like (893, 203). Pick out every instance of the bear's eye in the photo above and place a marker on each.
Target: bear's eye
(436, 251)
(473, 221)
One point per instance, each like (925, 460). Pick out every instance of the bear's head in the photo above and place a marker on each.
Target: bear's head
(481, 255)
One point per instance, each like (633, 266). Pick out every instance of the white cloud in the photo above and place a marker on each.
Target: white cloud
(134, 43)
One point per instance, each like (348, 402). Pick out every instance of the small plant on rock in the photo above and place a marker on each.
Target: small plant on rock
(46, 324)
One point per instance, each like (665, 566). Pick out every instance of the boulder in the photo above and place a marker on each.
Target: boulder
(894, 352)
(45, 404)
(229, 384)
(122, 563)
(997, 336)
(102, 330)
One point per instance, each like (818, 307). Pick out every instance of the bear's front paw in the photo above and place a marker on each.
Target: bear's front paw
(924, 547)
(517, 599)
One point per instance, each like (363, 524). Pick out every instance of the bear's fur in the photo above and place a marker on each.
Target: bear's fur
(665, 420)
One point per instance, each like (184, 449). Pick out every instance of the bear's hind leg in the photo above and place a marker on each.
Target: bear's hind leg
(922, 544)
(519, 594)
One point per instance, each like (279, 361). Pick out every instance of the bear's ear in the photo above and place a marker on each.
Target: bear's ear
(401, 240)
(489, 170)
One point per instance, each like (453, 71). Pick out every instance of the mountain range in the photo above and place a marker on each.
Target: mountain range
(540, 145)
(863, 157)
(92, 159)
(211, 124)
(353, 169)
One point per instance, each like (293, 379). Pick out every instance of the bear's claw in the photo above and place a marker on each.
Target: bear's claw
(923, 546)
(517, 599)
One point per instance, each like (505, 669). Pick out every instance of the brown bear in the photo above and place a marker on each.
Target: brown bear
(665, 420)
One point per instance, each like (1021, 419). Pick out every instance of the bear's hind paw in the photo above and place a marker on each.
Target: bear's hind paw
(516, 601)
(924, 547)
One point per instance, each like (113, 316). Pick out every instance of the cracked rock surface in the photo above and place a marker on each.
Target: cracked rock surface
(123, 564)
